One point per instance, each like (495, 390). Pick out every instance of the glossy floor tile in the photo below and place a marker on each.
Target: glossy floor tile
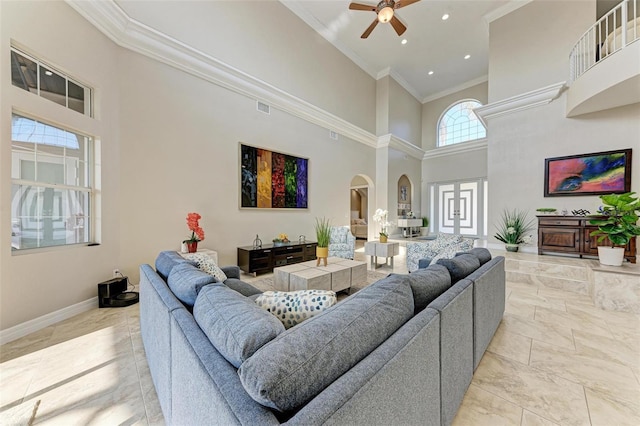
(556, 359)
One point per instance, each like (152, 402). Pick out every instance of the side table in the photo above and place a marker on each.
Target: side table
(377, 249)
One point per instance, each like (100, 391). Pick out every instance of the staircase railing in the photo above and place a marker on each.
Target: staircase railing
(615, 30)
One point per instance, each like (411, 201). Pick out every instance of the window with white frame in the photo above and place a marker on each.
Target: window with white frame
(52, 185)
(39, 78)
(460, 124)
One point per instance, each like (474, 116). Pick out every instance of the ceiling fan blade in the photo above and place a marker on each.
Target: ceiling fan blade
(366, 33)
(403, 3)
(397, 25)
(360, 6)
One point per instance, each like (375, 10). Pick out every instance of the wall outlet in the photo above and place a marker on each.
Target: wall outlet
(116, 273)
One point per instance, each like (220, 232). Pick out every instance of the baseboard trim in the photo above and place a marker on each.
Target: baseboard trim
(21, 330)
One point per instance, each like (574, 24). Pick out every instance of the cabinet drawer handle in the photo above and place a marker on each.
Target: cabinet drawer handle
(289, 248)
(289, 257)
(267, 251)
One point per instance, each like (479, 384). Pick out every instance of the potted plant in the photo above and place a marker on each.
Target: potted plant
(618, 223)
(197, 233)
(424, 230)
(380, 216)
(323, 232)
(280, 240)
(547, 210)
(514, 228)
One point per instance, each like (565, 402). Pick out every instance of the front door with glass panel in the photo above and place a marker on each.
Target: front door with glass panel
(457, 207)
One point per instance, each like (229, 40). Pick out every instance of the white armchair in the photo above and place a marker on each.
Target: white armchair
(342, 243)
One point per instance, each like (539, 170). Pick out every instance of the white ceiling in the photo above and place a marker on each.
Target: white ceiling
(432, 43)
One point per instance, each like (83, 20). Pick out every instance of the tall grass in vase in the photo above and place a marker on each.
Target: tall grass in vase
(514, 229)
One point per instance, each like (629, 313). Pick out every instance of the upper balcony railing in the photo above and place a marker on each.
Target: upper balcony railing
(615, 30)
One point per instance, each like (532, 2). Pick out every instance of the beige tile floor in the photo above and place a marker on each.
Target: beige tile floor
(555, 359)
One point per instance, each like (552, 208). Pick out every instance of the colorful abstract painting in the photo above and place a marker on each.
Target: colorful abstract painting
(588, 174)
(272, 180)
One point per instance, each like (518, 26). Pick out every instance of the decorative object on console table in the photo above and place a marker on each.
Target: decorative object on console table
(513, 229)
(257, 243)
(547, 210)
(197, 233)
(424, 230)
(618, 224)
(280, 240)
(323, 234)
(380, 216)
(588, 174)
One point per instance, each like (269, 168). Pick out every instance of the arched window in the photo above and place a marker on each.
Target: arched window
(460, 124)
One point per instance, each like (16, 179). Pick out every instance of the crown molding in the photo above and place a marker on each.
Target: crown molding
(458, 148)
(504, 10)
(401, 81)
(391, 141)
(470, 83)
(521, 102)
(131, 34)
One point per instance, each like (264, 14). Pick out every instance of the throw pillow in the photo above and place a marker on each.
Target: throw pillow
(301, 362)
(450, 251)
(460, 266)
(234, 324)
(293, 307)
(427, 284)
(205, 263)
(186, 281)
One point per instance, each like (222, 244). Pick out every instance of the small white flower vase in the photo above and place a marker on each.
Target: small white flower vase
(184, 248)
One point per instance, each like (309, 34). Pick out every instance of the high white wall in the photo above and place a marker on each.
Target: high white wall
(404, 114)
(266, 40)
(37, 283)
(190, 162)
(520, 141)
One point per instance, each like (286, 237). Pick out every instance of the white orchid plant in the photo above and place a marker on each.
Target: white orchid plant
(380, 216)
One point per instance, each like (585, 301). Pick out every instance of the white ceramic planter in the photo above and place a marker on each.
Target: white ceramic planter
(611, 256)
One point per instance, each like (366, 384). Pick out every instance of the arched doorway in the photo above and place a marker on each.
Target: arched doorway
(362, 200)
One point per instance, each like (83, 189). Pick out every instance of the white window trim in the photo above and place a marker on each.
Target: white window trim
(438, 146)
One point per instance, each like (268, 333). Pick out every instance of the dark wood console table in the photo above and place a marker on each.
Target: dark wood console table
(571, 235)
(262, 260)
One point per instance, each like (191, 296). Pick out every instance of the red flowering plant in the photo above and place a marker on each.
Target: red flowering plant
(197, 233)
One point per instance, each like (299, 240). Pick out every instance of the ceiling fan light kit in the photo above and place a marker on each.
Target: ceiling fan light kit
(385, 11)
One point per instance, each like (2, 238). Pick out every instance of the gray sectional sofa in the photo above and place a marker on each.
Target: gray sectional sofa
(400, 351)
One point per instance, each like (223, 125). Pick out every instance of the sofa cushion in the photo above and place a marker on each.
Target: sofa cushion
(186, 281)
(205, 263)
(427, 284)
(166, 260)
(241, 287)
(460, 266)
(234, 324)
(481, 253)
(301, 362)
(293, 307)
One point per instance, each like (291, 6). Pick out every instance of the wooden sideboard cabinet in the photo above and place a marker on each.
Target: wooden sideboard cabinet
(264, 259)
(571, 234)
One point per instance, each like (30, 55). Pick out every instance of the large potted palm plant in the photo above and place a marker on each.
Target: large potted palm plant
(323, 232)
(619, 223)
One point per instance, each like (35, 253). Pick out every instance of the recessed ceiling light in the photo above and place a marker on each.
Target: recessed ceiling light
(48, 73)
(445, 16)
(467, 56)
(430, 72)
(404, 41)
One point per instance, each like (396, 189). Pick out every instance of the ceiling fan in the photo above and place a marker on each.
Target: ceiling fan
(385, 11)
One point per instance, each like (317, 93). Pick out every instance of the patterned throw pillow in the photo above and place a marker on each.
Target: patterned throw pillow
(450, 251)
(205, 263)
(293, 307)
